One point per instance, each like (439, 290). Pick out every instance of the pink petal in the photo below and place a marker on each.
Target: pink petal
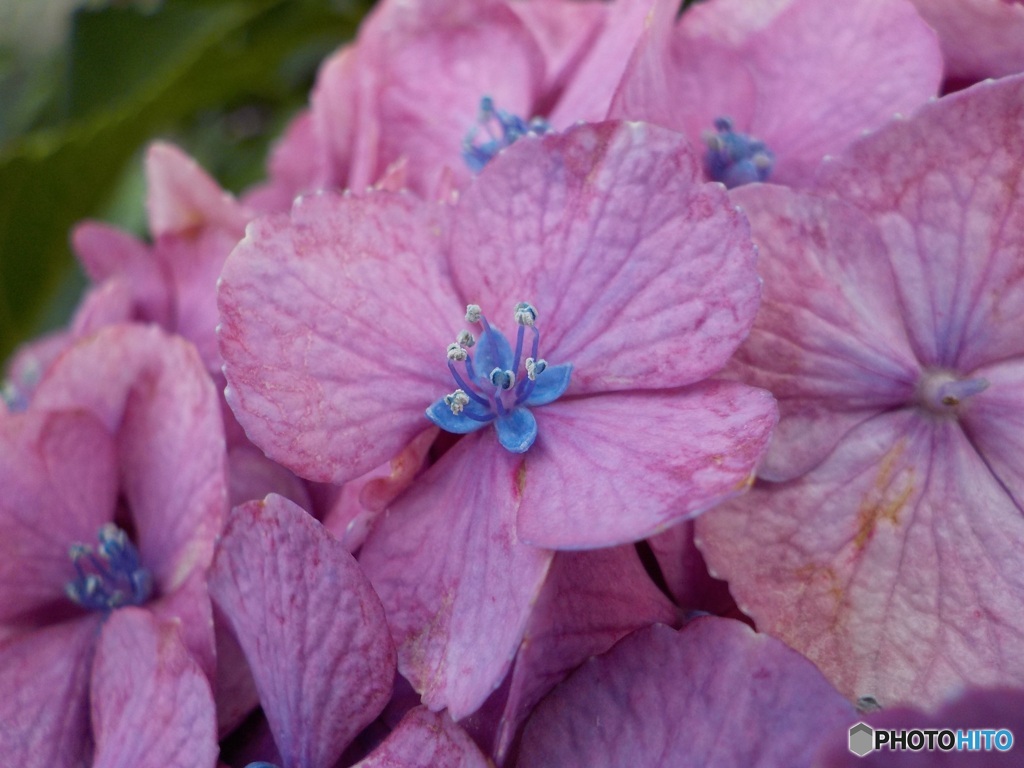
(333, 331)
(828, 341)
(941, 190)
(463, 50)
(686, 574)
(236, 694)
(640, 276)
(339, 118)
(188, 607)
(44, 696)
(425, 739)
(360, 501)
(589, 602)
(894, 565)
(565, 31)
(251, 476)
(151, 704)
(980, 38)
(591, 86)
(662, 697)
(616, 468)
(310, 625)
(182, 196)
(293, 166)
(152, 391)
(192, 264)
(456, 582)
(804, 76)
(106, 253)
(58, 472)
(994, 422)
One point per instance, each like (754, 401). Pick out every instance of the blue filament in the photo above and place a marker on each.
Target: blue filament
(499, 386)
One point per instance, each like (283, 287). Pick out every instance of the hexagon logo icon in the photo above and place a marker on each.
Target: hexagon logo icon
(862, 739)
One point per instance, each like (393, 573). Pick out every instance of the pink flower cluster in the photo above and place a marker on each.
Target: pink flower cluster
(589, 384)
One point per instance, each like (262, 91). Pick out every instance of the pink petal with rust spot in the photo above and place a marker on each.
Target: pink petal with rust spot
(893, 565)
(980, 38)
(828, 342)
(457, 583)
(351, 517)
(662, 697)
(615, 468)
(464, 49)
(642, 277)
(589, 602)
(151, 704)
(804, 76)
(181, 196)
(425, 739)
(333, 331)
(152, 391)
(311, 627)
(944, 190)
(44, 687)
(59, 478)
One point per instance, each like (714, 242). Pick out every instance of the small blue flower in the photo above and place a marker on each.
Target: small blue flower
(490, 387)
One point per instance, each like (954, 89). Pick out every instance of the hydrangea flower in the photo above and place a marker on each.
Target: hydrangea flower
(772, 86)
(341, 329)
(410, 91)
(714, 693)
(114, 491)
(888, 545)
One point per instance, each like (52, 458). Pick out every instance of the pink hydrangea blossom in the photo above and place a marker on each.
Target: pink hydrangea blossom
(772, 86)
(408, 93)
(888, 545)
(114, 491)
(335, 322)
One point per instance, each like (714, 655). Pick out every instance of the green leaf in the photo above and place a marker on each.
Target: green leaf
(132, 75)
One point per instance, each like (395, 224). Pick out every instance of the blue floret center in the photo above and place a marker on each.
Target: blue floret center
(496, 384)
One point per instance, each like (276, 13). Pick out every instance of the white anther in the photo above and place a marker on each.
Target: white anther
(455, 352)
(503, 379)
(533, 367)
(465, 338)
(525, 314)
(457, 400)
(473, 313)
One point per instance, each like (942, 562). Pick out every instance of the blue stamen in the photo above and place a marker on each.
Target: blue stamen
(735, 158)
(501, 129)
(466, 387)
(109, 577)
(504, 394)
